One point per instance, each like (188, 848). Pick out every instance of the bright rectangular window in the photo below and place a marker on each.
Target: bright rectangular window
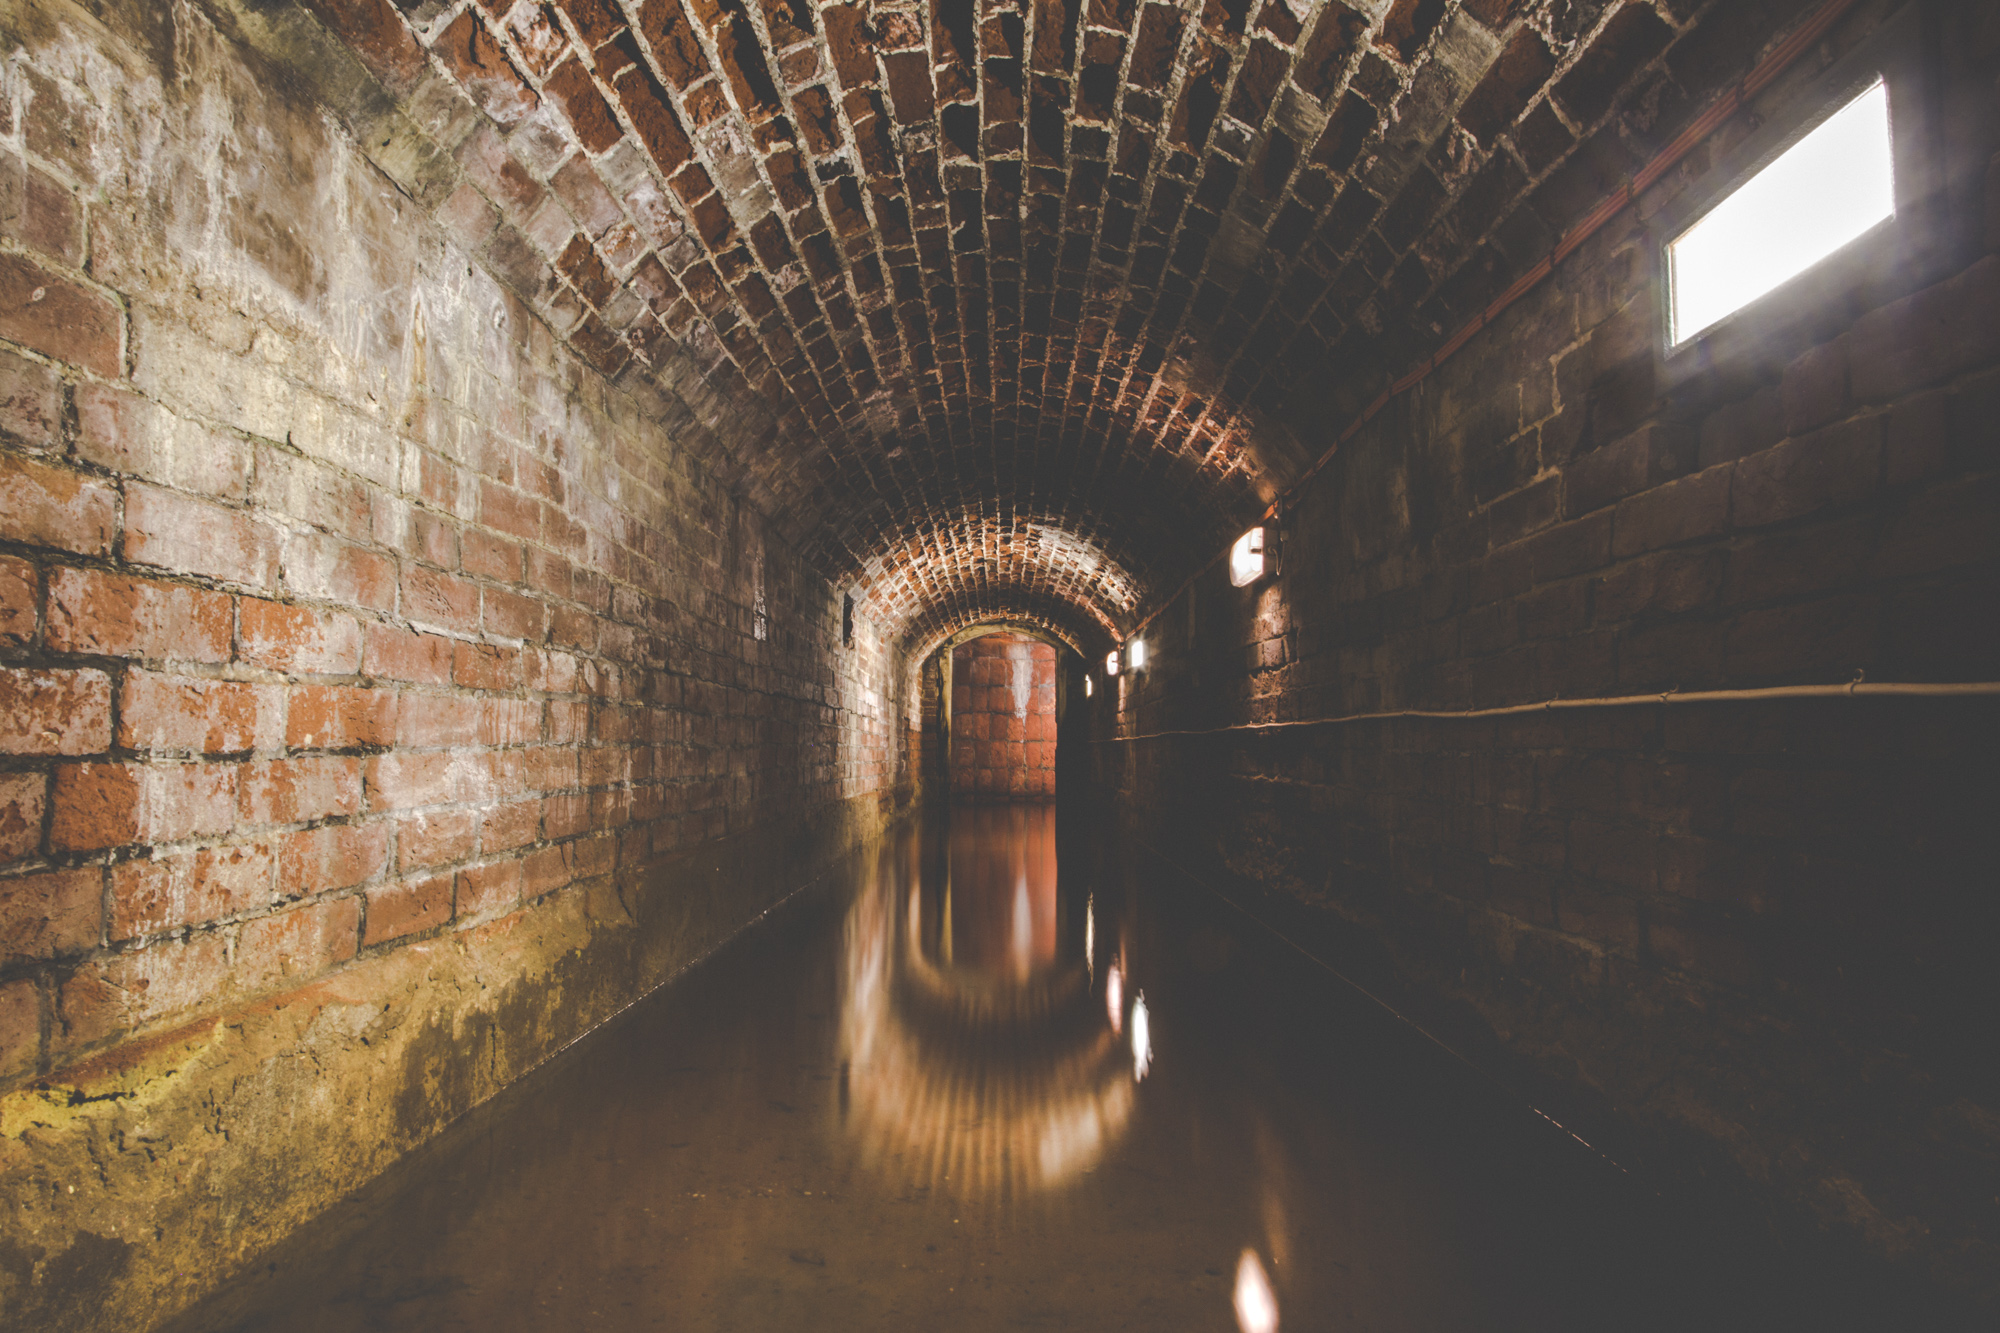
(1821, 193)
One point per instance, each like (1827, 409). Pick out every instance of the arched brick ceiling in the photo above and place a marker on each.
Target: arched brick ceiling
(1004, 306)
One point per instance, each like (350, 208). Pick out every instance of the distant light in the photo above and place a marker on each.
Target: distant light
(1819, 194)
(1111, 663)
(1246, 558)
(1256, 1304)
(1114, 997)
(1088, 686)
(1137, 648)
(1142, 1039)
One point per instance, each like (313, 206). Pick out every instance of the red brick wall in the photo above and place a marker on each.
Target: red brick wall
(344, 612)
(1003, 717)
(1687, 929)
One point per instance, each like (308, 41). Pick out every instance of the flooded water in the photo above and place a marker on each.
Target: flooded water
(991, 1081)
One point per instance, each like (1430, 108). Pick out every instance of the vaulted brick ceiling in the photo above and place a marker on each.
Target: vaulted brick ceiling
(1004, 307)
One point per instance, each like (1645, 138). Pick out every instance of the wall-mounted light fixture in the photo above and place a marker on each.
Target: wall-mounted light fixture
(1111, 663)
(1136, 652)
(1254, 555)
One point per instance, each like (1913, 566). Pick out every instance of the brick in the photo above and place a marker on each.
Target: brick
(1508, 85)
(401, 780)
(1942, 528)
(23, 801)
(1814, 389)
(31, 403)
(1823, 641)
(325, 567)
(509, 615)
(339, 717)
(544, 871)
(486, 666)
(514, 824)
(54, 711)
(123, 992)
(93, 612)
(1839, 465)
(589, 115)
(1686, 510)
(189, 536)
(443, 601)
(50, 914)
(296, 791)
(122, 432)
(1646, 457)
(335, 856)
(1793, 564)
(435, 838)
(99, 805)
(61, 319)
(20, 1027)
(186, 714)
(377, 34)
(408, 907)
(1633, 36)
(293, 947)
(51, 506)
(40, 212)
(398, 654)
(488, 556)
(487, 890)
(472, 55)
(167, 892)
(297, 639)
(1703, 949)
(20, 596)
(1928, 336)
(1743, 427)
(434, 720)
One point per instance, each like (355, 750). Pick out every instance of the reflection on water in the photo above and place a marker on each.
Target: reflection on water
(913, 1100)
(975, 1051)
(1256, 1305)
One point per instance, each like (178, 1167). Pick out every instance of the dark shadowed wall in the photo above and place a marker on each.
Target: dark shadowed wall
(1740, 944)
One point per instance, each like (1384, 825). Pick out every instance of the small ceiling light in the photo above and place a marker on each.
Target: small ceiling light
(1137, 649)
(1246, 558)
(1111, 663)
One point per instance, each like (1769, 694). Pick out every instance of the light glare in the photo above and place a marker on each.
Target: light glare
(1138, 649)
(1821, 193)
(1111, 663)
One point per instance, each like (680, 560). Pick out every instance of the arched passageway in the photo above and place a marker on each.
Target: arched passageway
(498, 497)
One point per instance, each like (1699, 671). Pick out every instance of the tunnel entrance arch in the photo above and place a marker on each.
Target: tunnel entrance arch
(997, 700)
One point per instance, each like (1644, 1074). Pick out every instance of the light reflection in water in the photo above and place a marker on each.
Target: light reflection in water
(1256, 1303)
(973, 1048)
(1090, 937)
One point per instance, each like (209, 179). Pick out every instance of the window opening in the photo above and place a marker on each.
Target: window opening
(1824, 191)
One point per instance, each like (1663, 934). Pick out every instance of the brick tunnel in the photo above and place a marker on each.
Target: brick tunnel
(1274, 650)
